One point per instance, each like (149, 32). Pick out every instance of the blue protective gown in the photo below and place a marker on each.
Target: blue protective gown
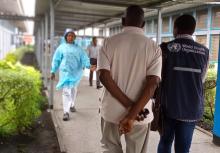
(70, 59)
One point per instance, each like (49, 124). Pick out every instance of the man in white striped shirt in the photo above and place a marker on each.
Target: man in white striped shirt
(93, 50)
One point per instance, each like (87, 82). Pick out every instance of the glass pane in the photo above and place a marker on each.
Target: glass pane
(201, 19)
(155, 26)
(214, 47)
(216, 17)
(201, 39)
(165, 24)
(149, 26)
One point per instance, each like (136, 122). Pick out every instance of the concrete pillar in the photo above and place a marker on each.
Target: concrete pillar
(47, 66)
(38, 47)
(51, 51)
(105, 31)
(209, 27)
(92, 31)
(42, 48)
(84, 32)
(159, 24)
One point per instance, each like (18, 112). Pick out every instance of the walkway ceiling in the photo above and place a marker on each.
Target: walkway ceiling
(10, 8)
(78, 14)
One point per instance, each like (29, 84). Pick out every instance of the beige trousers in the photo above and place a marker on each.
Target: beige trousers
(136, 140)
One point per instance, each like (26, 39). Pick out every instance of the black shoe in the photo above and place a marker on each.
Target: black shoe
(73, 109)
(98, 87)
(66, 117)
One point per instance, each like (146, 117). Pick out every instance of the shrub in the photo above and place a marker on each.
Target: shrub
(11, 57)
(16, 55)
(20, 97)
(210, 93)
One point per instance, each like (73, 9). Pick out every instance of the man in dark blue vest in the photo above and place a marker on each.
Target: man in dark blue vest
(184, 69)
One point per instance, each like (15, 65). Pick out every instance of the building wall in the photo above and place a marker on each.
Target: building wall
(207, 29)
(8, 38)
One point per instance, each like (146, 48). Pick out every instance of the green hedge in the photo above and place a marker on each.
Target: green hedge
(20, 97)
(16, 55)
(210, 95)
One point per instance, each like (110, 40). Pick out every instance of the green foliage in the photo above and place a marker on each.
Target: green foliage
(20, 97)
(210, 96)
(16, 55)
(11, 57)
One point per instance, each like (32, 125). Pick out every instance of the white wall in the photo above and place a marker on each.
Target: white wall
(7, 33)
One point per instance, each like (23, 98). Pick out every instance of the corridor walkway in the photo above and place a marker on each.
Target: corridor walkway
(81, 134)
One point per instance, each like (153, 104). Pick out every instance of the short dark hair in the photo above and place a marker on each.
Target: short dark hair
(134, 15)
(185, 24)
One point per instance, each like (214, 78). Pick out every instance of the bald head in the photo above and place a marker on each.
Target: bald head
(134, 16)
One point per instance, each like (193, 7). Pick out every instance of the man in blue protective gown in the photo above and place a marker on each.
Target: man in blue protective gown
(70, 59)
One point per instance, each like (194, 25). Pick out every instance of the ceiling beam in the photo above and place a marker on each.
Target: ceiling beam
(97, 2)
(57, 22)
(154, 5)
(66, 26)
(17, 17)
(57, 3)
(101, 21)
(68, 13)
(143, 4)
(75, 19)
(83, 18)
(72, 20)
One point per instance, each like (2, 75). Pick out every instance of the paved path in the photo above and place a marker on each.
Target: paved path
(81, 134)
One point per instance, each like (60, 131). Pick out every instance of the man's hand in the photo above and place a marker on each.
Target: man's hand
(52, 76)
(126, 125)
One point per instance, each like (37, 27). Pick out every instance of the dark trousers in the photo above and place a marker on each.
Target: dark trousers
(93, 61)
(183, 133)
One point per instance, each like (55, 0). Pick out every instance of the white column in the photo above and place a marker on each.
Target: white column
(159, 24)
(46, 51)
(42, 48)
(51, 50)
(209, 27)
(93, 31)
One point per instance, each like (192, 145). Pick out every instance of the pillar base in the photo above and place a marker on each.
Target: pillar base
(216, 140)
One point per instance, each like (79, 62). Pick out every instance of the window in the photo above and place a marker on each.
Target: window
(214, 47)
(201, 39)
(174, 17)
(165, 24)
(149, 26)
(101, 32)
(201, 19)
(216, 18)
(111, 31)
(120, 28)
(12, 39)
(155, 26)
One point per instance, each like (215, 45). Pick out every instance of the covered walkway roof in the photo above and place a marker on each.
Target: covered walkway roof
(11, 8)
(79, 14)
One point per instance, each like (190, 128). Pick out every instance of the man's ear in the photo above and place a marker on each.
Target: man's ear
(143, 24)
(123, 21)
